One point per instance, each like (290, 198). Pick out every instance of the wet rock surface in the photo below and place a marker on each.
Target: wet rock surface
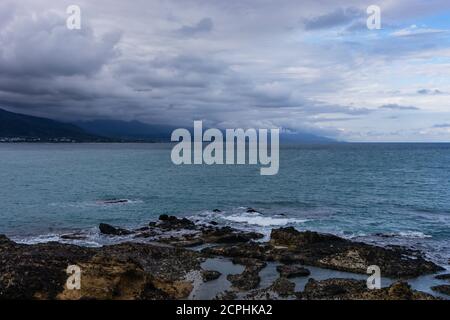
(249, 279)
(349, 289)
(445, 289)
(226, 295)
(125, 271)
(283, 287)
(290, 246)
(293, 271)
(185, 233)
(210, 275)
(160, 267)
(114, 231)
(443, 277)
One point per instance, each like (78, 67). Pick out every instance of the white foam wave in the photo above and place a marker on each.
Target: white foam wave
(262, 221)
(414, 234)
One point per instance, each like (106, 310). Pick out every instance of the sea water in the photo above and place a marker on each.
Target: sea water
(380, 193)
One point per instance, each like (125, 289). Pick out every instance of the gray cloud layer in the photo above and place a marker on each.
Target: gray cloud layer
(230, 63)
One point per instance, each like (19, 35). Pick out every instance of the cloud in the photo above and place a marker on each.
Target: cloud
(429, 92)
(394, 106)
(41, 45)
(205, 25)
(414, 31)
(230, 63)
(338, 17)
(442, 125)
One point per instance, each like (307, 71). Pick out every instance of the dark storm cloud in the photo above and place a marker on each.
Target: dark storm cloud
(394, 106)
(442, 125)
(231, 63)
(42, 46)
(338, 17)
(428, 91)
(205, 25)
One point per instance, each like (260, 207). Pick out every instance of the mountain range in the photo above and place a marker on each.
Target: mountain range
(20, 127)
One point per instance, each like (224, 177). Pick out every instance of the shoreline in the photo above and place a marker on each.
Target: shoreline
(185, 260)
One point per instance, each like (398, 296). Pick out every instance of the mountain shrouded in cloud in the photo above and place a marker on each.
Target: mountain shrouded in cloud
(300, 65)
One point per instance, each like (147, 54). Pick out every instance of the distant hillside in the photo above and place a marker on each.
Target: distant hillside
(15, 127)
(20, 127)
(135, 130)
(127, 130)
(303, 137)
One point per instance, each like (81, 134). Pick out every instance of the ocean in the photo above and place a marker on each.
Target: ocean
(386, 194)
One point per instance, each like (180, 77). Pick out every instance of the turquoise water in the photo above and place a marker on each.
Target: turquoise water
(382, 193)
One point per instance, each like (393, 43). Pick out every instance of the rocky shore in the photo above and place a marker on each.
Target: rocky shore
(169, 265)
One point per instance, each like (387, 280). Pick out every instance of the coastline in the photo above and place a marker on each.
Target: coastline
(185, 260)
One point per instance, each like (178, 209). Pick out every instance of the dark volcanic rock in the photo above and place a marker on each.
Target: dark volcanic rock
(443, 276)
(244, 281)
(245, 250)
(210, 275)
(249, 262)
(292, 238)
(445, 289)
(292, 271)
(332, 288)
(115, 201)
(251, 210)
(174, 223)
(226, 295)
(290, 246)
(217, 211)
(228, 235)
(350, 289)
(249, 279)
(283, 287)
(110, 230)
(125, 271)
(329, 251)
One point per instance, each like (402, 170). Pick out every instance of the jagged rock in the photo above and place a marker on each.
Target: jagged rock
(110, 230)
(244, 281)
(125, 271)
(443, 276)
(249, 279)
(115, 201)
(329, 251)
(245, 250)
(142, 229)
(226, 295)
(174, 223)
(292, 271)
(290, 246)
(291, 237)
(210, 275)
(350, 289)
(217, 211)
(332, 288)
(283, 287)
(146, 234)
(228, 235)
(251, 210)
(249, 262)
(445, 289)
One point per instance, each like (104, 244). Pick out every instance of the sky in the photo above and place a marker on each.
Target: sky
(301, 65)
